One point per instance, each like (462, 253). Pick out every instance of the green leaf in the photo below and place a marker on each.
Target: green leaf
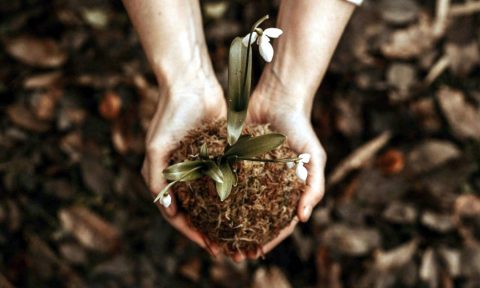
(224, 188)
(204, 151)
(183, 171)
(239, 82)
(256, 145)
(214, 172)
(240, 140)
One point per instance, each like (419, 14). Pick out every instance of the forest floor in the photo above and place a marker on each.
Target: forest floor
(398, 114)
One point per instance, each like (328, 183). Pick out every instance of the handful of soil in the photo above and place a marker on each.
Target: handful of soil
(263, 202)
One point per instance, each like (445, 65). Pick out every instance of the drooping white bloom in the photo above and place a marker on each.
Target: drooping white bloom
(252, 40)
(304, 158)
(166, 200)
(302, 172)
(290, 165)
(263, 41)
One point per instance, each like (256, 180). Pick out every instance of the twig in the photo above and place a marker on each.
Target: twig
(464, 9)
(437, 69)
(358, 158)
(441, 17)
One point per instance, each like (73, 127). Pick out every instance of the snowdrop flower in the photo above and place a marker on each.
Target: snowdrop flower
(301, 171)
(304, 158)
(166, 200)
(263, 41)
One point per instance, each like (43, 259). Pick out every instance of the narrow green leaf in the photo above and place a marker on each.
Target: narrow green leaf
(256, 145)
(224, 188)
(214, 172)
(204, 151)
(240, 140)
(183, 171)
(239, 82)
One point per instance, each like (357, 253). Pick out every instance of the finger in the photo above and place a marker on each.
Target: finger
(180, 223)
(315, 185)
(212, 247)
(254, 254)
(283, 234)
(156, 182)
(238, 257)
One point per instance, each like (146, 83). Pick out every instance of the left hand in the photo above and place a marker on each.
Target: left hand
(294, 122)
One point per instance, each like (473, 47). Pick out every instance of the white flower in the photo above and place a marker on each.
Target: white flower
(263, 41)
(304, 158)
(166, 200)
(302, 172)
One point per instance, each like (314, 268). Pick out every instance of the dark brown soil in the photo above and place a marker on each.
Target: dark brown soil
(263, 202)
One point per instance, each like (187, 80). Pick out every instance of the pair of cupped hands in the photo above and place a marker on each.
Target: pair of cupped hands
(185, 106)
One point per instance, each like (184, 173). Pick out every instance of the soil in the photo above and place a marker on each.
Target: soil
(262, 203)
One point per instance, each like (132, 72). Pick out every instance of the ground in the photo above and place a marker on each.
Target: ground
(398, 114)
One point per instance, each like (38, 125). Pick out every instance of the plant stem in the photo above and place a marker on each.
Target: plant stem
(260, 21)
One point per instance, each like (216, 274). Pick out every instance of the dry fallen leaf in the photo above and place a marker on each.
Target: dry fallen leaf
(44, 104)
(110, 105)
(410, 42)
(271, 277)
(463, 58)
(464, 119)
(429, 268)
(191, 269)
(44, 80)
(24, 118)
(38, 52)
(400, 213)
(442, 223)
(91, 230)
(399, 12)
(358, 158)
(349, 240)
(395, 258)
(429, 155)
(466, 215)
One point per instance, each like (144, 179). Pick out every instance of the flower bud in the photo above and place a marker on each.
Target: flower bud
(166, 200)
(304, 158)
(302, 172)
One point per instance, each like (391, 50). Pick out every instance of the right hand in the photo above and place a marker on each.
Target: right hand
(179, 110)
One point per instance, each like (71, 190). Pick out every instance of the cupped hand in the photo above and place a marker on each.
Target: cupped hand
(179, 110)
(293, 121)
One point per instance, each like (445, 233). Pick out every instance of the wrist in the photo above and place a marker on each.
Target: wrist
(272, 90)
(204, 92)
(177, 73)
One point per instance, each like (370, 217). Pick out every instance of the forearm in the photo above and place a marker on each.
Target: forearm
(312, 30)
(171, 34)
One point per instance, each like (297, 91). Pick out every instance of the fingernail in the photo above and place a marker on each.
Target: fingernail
(307, 210)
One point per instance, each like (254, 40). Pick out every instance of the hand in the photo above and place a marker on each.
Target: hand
(179, 110)
(294, 121)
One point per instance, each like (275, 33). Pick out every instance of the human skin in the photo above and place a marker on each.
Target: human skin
(171, 33)
(285, 92)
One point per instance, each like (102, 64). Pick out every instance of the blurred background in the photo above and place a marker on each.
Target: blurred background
(398, 113)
